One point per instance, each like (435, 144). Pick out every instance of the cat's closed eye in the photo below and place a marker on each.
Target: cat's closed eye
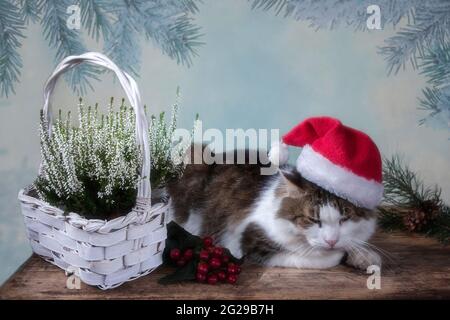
(343, 219)
(314, 220)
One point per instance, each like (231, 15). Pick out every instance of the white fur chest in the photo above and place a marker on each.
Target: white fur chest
(264, 214)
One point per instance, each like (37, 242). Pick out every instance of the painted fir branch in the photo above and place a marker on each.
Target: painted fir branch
(67, 42)
(119, 24)
(423, 42)
(331, 14)
(93, 168)
(406, 193)
(11, 34)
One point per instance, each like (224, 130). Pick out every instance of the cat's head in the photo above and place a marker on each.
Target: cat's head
(325, 220)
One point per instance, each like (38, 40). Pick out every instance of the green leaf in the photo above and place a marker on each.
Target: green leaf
(179, 238)
(183, 238)
(182, 274)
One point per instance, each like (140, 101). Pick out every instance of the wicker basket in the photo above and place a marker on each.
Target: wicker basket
(102, 253)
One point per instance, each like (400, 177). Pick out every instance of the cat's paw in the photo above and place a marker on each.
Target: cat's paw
(363, 259)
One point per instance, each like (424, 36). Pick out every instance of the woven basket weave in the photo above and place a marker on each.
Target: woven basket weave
(102, 253)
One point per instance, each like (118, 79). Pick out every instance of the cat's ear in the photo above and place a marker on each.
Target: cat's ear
(293, 184)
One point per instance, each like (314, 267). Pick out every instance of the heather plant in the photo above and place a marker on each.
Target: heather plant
(93, 168)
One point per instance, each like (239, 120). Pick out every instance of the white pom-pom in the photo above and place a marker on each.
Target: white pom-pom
(278, 154)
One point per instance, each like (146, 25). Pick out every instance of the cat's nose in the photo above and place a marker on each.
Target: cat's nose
(331, 242)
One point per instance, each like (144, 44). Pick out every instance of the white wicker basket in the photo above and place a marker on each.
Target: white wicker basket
(101, 253)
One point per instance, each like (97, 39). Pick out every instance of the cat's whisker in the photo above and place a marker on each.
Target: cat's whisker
(382, 252)
(317, 244)
(386, 266)
(305, 251)
(352, 250)
(370, 245)
(390, 261)
(361, 252)
(310, 251)
(300, 246)
(355, 251)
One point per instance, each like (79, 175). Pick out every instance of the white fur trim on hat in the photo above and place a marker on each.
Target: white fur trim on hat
(278, 154)
(338, 180)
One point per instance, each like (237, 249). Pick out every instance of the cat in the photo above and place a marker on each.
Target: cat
(274, 220)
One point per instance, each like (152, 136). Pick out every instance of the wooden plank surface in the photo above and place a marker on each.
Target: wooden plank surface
(421, 269)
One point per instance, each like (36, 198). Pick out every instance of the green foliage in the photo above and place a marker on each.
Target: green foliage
(403, 187)
(405, 192)
(93, 169)
(167, 154)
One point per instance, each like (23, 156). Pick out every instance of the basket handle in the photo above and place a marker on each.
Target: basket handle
(132, 92)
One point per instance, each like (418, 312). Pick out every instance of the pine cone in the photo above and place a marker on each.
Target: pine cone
(418, 218)
(415, 220)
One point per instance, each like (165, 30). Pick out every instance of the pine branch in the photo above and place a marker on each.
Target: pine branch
(334, 13)
(123, 43)
(29, 10)
(436, 100)
(66, 42)
(276, 5)
(440, 229)
(403, 187)
(95, 19)
(167, 23)
(410, 205)
(390, 220)
(436, 65)
(437, 103)
(179, 38)
(11, 33)
(428, 26)
(431, 26)
(121, 23)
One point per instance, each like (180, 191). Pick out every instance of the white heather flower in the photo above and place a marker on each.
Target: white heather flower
(101, 154)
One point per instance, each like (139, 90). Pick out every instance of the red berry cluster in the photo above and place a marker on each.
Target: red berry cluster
(214, 265)
(181, 258)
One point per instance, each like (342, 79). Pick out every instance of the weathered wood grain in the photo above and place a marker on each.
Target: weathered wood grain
(421, 270)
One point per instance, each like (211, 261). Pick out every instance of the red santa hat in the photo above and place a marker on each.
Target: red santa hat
(340, 159)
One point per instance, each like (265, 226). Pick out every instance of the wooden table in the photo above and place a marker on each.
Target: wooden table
(421, 270)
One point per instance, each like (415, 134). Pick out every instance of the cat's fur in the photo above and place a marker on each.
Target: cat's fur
(275, 220)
